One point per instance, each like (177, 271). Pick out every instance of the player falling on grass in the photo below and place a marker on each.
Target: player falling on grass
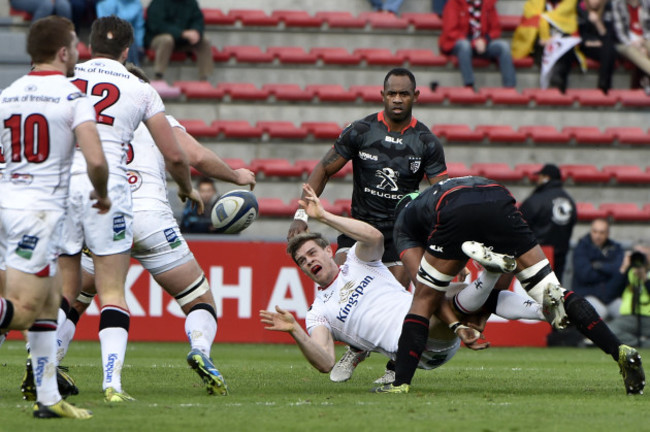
(391, 153)
(361, 303)
(122, 102)
(431, 233)
(161, 249)
(42, 115)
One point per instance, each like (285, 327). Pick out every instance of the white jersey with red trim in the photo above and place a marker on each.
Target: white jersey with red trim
(364, 306)
(122, 101)
(146, 170)
(39, 113)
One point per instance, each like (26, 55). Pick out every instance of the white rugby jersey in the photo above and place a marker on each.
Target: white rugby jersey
(121, 102)
(364, 306)
(146, 170)
(39, 113)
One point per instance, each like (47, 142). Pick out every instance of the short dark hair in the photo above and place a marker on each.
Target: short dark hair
(110, 36)
(138, 72)
(300, 239)
(208, 180)
(400, 71)
(47, 36)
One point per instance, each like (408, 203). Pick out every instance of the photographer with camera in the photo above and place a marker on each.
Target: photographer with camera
(633, 324)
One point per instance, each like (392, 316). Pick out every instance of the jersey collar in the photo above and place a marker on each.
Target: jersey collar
(323, 288)
(45, 73)
(382, 118)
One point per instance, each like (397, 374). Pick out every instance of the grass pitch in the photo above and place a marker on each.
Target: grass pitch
(274, 389)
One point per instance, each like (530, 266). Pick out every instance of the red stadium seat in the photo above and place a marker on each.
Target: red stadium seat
(501, 133)
(274, 207)
(165, 90)
(216, 17)
(235, 163)
(219, 56)
(84, 51)
(288, 92)
(627, 174)
(463, 95)
(430, 97)
(199, 90)
(26, 16)
(509, 22)
(275, 168)
(297, 18)
(551, 96)
(587, 212)
(505, 96)
(379, 56)
(282, 129)
(253, 17)
(291, 54)
(323, 130)
(381, 20)
(340, 19)
(524, 63)
(327, 205)
(589, 135)
(631, 98)
(243, 91)
(629, 135)
(331, 92)
(457, 132)
(592, 97)
(198, 128)
(368, 93)
(583, 173)
(626, 212)
(333, 55)
(345, 205)
(528, 170)
(306, 165)
(422, 57)
(458, 169)
(423, 21)
(545, 134)
(237, 129)
(247, 53)
(497, 171)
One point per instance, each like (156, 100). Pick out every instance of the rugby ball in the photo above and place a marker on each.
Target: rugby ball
(234, 211)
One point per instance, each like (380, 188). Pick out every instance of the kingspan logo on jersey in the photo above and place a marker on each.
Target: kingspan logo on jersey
(353, 299)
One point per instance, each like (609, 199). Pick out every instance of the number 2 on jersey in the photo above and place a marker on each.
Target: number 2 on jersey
(35, 134)
(110, 94)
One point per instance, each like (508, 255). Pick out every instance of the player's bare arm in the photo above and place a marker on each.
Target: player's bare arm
(329, 165)
(91, 147)
(175, 158)
(210, 164)
(370, 241)
(318, 348)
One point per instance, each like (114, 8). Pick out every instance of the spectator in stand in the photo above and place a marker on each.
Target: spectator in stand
(391, 6)
(596, 28)
(131, 11)
(471, 29)
(632, 326)
(551, 214)
(42, 8)
(632, 25)
(547, 30)
(177, 25)
(195, 222)
(83, 13)
(598, 271)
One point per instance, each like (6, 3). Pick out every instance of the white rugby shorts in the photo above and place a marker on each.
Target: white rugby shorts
(104, 234)
(157, 242)
(30, 240)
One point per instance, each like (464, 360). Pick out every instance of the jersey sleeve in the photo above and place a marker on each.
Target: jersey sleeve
(153, 101)
(175, 123)
(315, 318)
(347, 144)
(82, 109)
(435, 164)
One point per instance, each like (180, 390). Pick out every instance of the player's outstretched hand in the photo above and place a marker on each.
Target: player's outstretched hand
(297, 227)
(245, 177)
(311, 203)
(281, 320)
(472, 337)
(103, 205)
(193, 196)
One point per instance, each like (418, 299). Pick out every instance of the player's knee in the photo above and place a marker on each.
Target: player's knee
(536, 278)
